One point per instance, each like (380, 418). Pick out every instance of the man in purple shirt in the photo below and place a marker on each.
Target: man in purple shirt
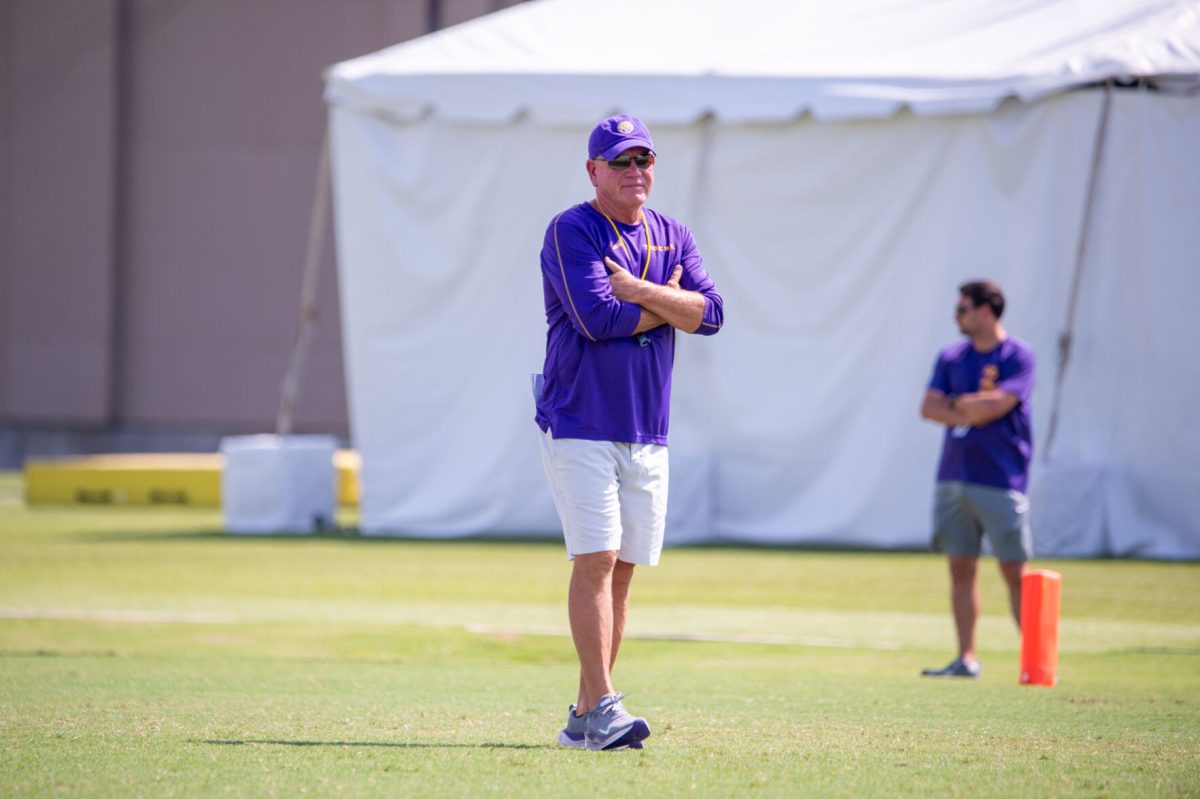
(618, 279)
(980, 391)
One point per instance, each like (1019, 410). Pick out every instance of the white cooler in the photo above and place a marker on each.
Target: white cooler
(278, 484)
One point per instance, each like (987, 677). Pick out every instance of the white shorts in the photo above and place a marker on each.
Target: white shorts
(609, 495)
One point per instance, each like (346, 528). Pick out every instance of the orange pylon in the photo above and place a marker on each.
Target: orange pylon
(1041, 592)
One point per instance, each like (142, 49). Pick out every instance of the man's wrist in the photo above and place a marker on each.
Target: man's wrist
(638, 294)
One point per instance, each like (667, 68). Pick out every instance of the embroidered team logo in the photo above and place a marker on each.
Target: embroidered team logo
(988, 380)
(624, 126)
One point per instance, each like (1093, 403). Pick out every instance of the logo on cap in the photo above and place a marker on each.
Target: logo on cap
(624, 126)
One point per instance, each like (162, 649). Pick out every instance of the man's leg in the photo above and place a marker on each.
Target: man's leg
(964, 597)
(622, 576)
(590, 608)
(593, 594)
(642, 470)
(644, 480)
(1013, 572)
(621, 579)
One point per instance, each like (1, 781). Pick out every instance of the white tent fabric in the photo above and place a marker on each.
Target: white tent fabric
(560, 61)
(837, 244)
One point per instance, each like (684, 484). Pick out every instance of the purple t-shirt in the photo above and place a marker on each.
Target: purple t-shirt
(602, 382)
(996, 454)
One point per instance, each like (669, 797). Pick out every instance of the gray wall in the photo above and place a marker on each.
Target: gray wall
(157, 167)
(57, 186)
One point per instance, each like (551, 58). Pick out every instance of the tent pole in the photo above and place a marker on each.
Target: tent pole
(699, 200)
(703, 158)
(308, 292)
(1065, 338)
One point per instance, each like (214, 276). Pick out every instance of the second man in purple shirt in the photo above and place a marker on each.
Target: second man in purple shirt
(980, 392)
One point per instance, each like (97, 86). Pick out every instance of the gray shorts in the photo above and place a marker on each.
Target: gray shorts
(963, 513)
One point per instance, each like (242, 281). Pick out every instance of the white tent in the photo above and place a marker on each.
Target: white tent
(843, 167)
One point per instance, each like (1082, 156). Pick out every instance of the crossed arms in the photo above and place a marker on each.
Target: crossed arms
(975, 409)
(667, 304)
(602, 300)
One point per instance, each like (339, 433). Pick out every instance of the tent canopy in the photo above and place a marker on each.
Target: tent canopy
(836, 229)
(766, 60)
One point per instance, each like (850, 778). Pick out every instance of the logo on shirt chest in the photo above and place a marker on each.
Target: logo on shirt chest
(620, 245)
(987, 380)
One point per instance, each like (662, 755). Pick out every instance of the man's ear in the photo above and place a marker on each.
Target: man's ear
(590, 166)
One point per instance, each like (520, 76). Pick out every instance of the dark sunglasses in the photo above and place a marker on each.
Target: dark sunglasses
(960, 310)
(622, 163)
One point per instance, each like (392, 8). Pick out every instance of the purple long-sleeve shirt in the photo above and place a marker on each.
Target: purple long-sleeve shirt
(602, 382)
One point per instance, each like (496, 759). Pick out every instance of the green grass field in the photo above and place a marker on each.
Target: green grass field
(145, 653)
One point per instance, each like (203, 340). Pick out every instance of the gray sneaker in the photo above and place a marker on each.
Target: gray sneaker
(572, 734)
(609, 725)
(956, 668)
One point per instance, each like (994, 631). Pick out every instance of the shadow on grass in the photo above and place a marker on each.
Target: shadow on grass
(387, 744)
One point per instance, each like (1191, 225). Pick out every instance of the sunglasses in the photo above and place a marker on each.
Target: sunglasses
(622, 163)
(961, 310)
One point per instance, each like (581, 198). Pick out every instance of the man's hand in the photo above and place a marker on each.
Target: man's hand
(675, 305)
(627, 288)
(676, 277)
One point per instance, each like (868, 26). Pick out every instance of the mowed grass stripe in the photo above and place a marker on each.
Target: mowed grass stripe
(782, 626)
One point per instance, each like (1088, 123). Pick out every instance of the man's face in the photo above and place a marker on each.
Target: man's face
(969, 315)
(622, 188)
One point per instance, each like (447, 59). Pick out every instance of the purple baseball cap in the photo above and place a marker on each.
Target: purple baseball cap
(617, 134)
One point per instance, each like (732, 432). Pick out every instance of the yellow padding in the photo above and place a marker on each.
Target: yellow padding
(347, 463)
(158, 479)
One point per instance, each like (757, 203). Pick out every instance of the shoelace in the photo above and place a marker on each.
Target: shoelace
(612, 706)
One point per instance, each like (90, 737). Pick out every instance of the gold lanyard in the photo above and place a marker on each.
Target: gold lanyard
(621, 238)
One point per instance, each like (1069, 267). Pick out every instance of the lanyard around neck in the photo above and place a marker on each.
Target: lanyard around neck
(621, 238)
